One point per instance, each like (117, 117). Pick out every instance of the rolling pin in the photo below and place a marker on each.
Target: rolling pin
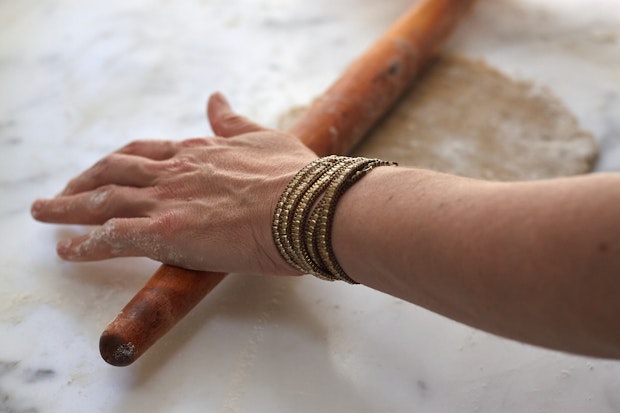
(334, 124)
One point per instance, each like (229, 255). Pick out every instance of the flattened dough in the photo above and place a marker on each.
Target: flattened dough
(466, 118)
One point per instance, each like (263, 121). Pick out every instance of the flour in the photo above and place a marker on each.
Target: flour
(95, 237)
(98, 198)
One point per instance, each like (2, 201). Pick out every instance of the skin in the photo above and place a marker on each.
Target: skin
(533, 261)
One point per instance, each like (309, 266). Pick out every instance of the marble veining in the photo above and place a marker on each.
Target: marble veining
(80, 80)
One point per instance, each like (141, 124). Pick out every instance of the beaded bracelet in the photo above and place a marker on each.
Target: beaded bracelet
(303, 217)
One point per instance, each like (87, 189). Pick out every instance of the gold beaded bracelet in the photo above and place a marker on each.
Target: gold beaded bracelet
(302, 220)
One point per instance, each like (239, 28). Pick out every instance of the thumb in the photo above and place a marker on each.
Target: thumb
(224, 121)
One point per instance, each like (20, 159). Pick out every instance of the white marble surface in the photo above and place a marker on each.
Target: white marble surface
(79, 79)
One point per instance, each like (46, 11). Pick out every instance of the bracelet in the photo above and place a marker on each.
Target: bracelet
(303, 216)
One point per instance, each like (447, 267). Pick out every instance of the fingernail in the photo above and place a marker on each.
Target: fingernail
(36, 207)
(63, 248)
(220, 100)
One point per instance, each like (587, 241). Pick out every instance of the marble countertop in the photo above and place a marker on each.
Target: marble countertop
(79, 79)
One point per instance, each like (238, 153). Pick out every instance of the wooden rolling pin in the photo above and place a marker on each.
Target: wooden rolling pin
(334, 124)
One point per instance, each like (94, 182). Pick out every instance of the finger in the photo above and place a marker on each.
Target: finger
(224, 121)
(94, 207)
(115, 169)
(157, 150)
(121, 237)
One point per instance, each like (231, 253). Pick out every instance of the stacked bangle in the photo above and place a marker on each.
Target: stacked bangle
(303, 217)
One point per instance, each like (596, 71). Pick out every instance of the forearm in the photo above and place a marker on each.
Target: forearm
(538, 262)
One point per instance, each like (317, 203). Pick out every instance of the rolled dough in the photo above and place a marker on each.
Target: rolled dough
(466, 118)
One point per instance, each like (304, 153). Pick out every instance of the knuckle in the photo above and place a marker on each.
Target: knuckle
(192, 142)
(101, 196)
(112, 225)
(104, 198)
(114, 234)
(134, 146)
(179, 164)
(110, 230)
(164, 223)
(232, 118)
(163, 192)
(103, 164)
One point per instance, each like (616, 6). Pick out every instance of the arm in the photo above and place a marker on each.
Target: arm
(534, 261)
(537, 262)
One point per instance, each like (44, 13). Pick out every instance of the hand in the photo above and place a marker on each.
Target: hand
(203, 204)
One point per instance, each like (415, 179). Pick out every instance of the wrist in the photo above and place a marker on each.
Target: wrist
(355, 225)
(304, 215)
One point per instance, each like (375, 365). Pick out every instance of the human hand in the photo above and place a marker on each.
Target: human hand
(202, 204)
